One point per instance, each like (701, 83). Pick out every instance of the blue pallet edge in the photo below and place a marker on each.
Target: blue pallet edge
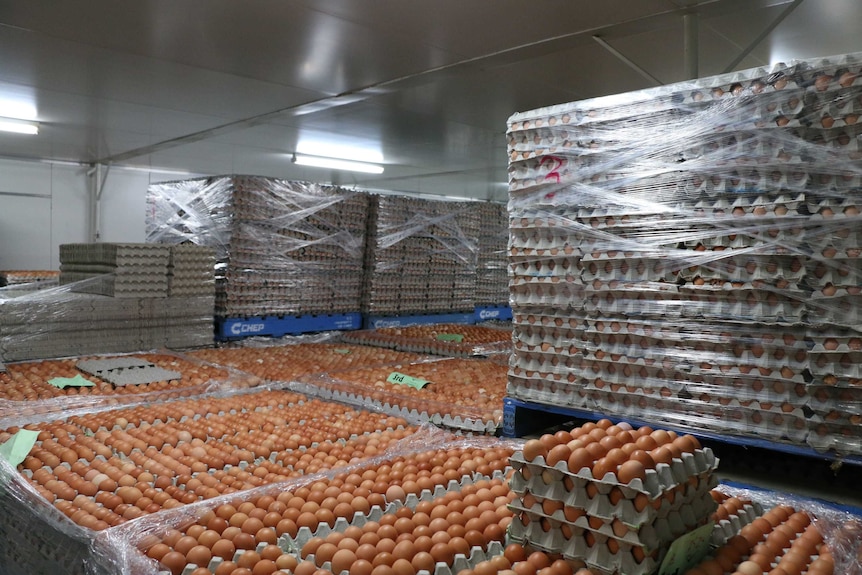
(277, 326)
(488, 312)
(379, 321)
(522, 417)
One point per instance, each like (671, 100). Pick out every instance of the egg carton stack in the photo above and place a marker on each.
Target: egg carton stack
(283, 247)
(492, 278)
(191, 271)
(116, 270)
(704, 253)
(616, 514)
(420, 257)
(547, 298)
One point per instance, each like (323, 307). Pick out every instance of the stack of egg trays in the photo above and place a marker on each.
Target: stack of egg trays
(546, 295)
(492, 282)
(643, 516)
(745, 192)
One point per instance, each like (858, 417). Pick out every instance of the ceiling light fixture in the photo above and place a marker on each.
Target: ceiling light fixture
(19, 126)
(336, 164)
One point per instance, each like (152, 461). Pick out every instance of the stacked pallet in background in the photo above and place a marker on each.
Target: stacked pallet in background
(14, 283)
(283, 248)
(114, 299)
(420, 256)
(689, 254)
(492, 280)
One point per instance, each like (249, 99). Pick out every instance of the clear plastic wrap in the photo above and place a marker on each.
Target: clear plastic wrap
(26, 396)
(492, 276)
(285, 363)
(420, 257)
(688, 254)
(119, 550)
(73, 319)
(283, 248)
(454, 340)
(458, 393)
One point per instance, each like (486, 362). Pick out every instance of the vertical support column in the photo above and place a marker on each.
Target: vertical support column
(691, 44)
(96, 175)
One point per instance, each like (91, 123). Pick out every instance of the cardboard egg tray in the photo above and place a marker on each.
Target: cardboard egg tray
(542, 390)
(658, 481)
(745, 303)
(544, 266)
(608, 266)
(839, 271)
(843, 308)
(727, 528)
(835, 432)
(546, 291)
(826, 399)
(747, 268)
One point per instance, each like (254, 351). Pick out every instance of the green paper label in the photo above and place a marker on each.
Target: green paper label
(77, 381)
(401, 379)
(341, 350)
(687, 551)
(456, 337)
(18, 446)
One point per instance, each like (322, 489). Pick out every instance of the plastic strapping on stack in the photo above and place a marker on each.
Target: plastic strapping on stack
(689, 254)
(420, 256)
(492, 278)
(283, 248)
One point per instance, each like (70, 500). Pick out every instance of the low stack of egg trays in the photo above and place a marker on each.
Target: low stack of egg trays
(835, 336)
(611, 526)
(546, 294)
(767, 130)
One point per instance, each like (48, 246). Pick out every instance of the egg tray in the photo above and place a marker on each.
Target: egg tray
(727, 528)
(570, 395)
(843, 309)
(648, 267)
(700, 416)
(837, 272)
(825, 400)
(547, 363)
(650, 535)
(547, 322)
(597, 557)
(658, 481)
(843, 364)
(546, 292)
(746, 268)
(463, 421)
(836, 439)
(526, 352)
(560, 266)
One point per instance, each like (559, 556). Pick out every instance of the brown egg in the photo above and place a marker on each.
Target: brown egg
(224, 548)
(631, 470)
(174, 562)
(199, 555)
(534, 448)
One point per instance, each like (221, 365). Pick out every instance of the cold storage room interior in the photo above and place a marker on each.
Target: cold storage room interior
(403, 288)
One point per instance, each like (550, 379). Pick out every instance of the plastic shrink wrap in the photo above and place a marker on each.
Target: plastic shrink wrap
(113, 298)
(44, 390)
(280, 362)
(492, 276)
(690, 254)
(121, 550)
(92, 471)
(456, 393)
(420, 256)
(283, 247)
(454, 340)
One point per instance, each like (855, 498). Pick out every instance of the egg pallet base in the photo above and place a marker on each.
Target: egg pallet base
(277, 326)
(501, 312)
(525, 417)
(380, 321)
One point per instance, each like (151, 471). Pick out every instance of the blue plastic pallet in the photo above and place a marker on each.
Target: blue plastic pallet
(275, 326)
(525, 417)
(379, 321)
(498, 312)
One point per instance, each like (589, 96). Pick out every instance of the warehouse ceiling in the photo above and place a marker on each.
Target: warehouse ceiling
(423, 87)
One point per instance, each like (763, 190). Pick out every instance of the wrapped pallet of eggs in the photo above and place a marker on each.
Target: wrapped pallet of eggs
(612, 497)
(283, 247)
(420, 256)
(492, 279)
(689, 254)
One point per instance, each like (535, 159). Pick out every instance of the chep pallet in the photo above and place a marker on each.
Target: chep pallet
(277, 326)
(381, 321)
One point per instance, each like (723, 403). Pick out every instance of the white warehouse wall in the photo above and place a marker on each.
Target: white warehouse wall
(44, 205)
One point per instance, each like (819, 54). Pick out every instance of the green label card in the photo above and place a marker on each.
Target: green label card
(401, 379)
(456, 337)
(341, 350)
(77, 381)
(18, 446)
(687, 551)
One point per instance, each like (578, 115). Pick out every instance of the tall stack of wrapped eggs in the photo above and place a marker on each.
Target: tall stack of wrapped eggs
(612, 497)
(690, 254)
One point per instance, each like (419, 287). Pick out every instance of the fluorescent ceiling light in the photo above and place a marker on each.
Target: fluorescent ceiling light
(148, 169)
(18, 126)
(336, 164)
